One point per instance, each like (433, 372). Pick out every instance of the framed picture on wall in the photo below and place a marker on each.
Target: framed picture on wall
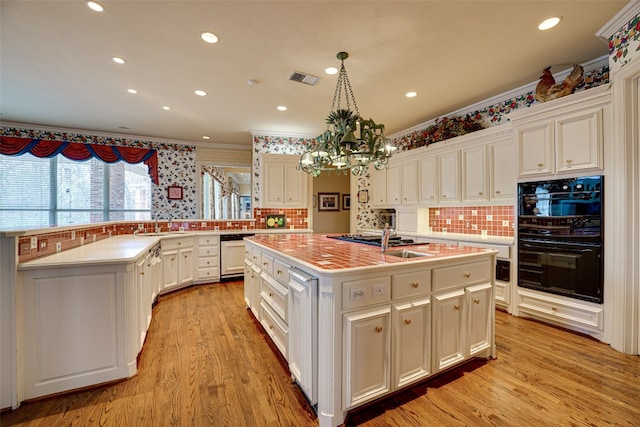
(363, 196)
(328, 201)
(346, 202)
(174, 192)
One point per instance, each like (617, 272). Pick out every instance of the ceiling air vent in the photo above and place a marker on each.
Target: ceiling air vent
(307, 79)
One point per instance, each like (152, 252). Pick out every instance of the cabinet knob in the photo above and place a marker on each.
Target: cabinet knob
(554, 308)
(173, 259)
(415, 284)
(142, 273)
(431, 197)
(479, 193)
(278, 271)
(456, 307)
(378, 329)
(466, 275)
(444, 196)
(208, 262)
(476, 301)
(179, 243)
(270, 295)
(568, 162)
(497, 191)
(407, 321)
(540, 165)
(265, 263)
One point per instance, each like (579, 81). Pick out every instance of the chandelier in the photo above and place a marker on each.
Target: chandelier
(350, 142)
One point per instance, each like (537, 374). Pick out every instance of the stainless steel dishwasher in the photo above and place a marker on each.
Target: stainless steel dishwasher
(232, 255)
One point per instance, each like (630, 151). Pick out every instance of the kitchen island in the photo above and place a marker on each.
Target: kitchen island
(356, 324)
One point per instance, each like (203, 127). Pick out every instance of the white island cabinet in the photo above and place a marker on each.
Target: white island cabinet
(362, 324)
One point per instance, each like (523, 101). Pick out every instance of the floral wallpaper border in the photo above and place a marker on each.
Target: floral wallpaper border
(624, 45)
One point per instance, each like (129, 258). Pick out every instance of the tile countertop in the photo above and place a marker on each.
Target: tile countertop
(116, 249)
(330, 255)
(457, 237)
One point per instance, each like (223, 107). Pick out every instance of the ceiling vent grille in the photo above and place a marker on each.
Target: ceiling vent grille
(305, 78)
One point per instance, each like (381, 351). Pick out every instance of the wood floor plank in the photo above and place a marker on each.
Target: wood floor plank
(206, 362)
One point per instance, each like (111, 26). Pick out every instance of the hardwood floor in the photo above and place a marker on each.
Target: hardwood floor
(205, 363)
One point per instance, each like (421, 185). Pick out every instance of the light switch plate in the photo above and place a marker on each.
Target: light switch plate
(34, 243)
(58, 247)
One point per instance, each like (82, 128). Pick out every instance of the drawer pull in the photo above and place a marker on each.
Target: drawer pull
(208, 263)
(265, 263)
(179, 243)
(540, 165)
(173, 259)
(497, 191)
(378, 329)
(270, 295)
(407, 321)
(278, 271)
(479, 193)
(142, 273)
(456, 307)
(466, 275)
(186, 256)
(415, 285)
(476, 301)
(554, 308)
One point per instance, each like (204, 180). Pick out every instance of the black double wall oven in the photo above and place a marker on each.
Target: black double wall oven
(560, 237)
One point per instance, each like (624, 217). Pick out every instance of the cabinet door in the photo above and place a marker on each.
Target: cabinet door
(394, 185)
(479, 300)
(295, 187)
(409, 183)
(246, 283)
(303, 335)
(503, 170)
(474, 169)
(378, 187)
(274, 184)
(366, 347)
(428, 180)
(411, 341)
(579, 142)
(170, 269)
(185, 266)
(449, 344)
(450, 177)
(535, 150)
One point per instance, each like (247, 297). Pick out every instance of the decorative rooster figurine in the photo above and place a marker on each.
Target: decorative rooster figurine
(548, 89)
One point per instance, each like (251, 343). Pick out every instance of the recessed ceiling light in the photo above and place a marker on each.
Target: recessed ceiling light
(166, 108)
(200, 92)
(118, 60)
(132, 91)
(206, 137)
(331, 71)
(281, 108)
(94, 5)
(209, 37)
(411, 94)
(549, 23)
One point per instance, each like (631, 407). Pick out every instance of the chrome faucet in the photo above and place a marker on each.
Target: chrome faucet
(158, 214)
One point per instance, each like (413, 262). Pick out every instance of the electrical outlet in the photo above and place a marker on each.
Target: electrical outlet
(489, 217)
(58, 246)
(73, 235)
(140, 226)
(437, 213)
(461, 217)
(228, 224)
(474, 213)
(448, 221)
(356, 294)
(42, 244)
(204, 224)
(299, 213)
(444, 229)
(505, 222)
(474, 226)
(34, 243)
(484, 232)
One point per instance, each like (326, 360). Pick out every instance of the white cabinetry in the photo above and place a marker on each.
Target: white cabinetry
(232, 257)
(411, 341)
(177, 262)
(402, 183)
(378, 187)
(565, 136)
(503, 170)
(208, 258)
(429, 179)
(449, 167)
(282, 184)
(474, 173)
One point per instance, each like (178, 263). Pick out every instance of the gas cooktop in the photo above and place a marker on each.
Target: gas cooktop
(394, 241)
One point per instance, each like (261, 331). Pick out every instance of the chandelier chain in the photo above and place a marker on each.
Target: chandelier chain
(344, 84)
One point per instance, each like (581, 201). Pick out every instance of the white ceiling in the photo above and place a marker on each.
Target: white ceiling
(56, 67)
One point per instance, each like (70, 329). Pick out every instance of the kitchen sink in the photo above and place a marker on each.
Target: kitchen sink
(406, 254)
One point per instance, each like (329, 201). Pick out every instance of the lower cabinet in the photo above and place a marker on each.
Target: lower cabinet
(177, 261)
(411, 341)
(367, 340)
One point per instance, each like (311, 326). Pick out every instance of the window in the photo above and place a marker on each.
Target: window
(41, 192)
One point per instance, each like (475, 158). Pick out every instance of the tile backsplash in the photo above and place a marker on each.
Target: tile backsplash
(487, 220)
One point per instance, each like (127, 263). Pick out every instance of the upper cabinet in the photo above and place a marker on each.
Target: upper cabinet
(503, 169)
(378, 187)
(402, 183)
(564, 136)
(475, 176)
(449, 177)
(283, 184)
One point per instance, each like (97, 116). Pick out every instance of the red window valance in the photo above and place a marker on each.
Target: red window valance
(14, 146)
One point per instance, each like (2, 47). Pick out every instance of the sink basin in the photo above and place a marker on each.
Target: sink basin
(406, 254)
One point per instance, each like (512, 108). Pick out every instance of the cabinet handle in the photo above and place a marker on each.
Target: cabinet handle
(270, 295)
(265, 263)
(540, 165)
(207, 240)
(554, 308)
(271, 327)
(456, 307)
(173, 259)
(278, 271)
(466, 275)
(255, 257)
(142, 273)
(378, 329)
(179, 243)
(186, 256)
(415, 284)
(431, 197)
(207, 262)
(476, 301)
(479, 193)
(568, 162)
(444, 196)
(407, 321)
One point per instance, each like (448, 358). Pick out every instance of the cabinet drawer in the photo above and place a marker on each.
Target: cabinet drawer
(281, 272)
(558, 311)
(208, 273)
(360, 293)
(208, 240)
(254, 256)
(208, 262)
(274, 294)
(177, 243)
(266, 263)
(274, 328)
(461, 275)
(411, 284)
(208, 251)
